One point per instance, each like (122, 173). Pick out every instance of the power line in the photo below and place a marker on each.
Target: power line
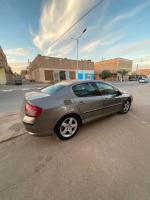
(62, 35)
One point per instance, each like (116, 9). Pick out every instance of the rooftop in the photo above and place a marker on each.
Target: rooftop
(114, 59)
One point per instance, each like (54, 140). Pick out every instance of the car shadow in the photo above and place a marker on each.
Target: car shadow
(96, 126)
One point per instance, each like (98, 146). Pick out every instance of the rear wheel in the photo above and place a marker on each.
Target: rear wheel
(67, 127)
(126, 107)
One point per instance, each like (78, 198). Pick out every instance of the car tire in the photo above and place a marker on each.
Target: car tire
(126, 107)
(67, 127)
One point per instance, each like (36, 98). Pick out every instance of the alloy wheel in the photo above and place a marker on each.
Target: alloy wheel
(126, 106)
(68, 127)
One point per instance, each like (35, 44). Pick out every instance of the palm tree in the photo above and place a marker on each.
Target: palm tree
(123, 72)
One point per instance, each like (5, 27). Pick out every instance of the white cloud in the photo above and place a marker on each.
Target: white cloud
(57, 16)
(125, 16)
(61, 52)
(65, 50)
(17, 65)
(127, 49)
(108, 36)
(18, 52)
(103, 40)
(90, 46)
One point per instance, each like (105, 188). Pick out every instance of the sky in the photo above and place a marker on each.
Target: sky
(115, 28)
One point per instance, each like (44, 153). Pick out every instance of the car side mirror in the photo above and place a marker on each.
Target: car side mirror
(117, 93)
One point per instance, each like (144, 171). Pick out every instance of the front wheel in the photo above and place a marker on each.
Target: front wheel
(67, 128)
(126, 107)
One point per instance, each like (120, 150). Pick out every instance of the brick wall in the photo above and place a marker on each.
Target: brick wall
(143, 72)
(112, 65)
(44, 63)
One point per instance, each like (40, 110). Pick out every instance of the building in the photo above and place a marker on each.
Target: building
(143, 72)
(6, 74)
(23, 73)
(141, 66)
(113, 65)
(52, 69)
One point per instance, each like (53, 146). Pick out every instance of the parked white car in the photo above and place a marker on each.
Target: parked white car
(144, 80)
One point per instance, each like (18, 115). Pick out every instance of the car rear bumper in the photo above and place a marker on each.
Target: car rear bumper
(33, 130)
(36, 127)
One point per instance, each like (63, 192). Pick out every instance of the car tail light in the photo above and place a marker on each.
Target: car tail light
(32, 111)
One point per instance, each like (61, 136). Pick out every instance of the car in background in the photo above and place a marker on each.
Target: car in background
(61, 108)
(144, 80)
(18, 80)
(132, 79)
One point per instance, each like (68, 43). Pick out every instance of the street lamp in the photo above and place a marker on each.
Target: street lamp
(77, 40)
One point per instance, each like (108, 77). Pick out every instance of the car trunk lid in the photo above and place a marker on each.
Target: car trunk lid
(34, 95)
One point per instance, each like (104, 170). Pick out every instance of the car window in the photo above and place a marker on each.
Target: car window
(105, 89)
(85, 90)
(53, 88)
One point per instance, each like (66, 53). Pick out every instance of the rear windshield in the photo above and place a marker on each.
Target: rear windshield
(54, 88)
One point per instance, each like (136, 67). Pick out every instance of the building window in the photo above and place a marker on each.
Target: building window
(48, 75)
(62, 75)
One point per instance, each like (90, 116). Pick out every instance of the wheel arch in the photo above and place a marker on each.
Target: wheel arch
(130, 99)
(68, 115)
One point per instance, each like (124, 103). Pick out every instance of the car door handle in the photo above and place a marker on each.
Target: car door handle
(81, 102)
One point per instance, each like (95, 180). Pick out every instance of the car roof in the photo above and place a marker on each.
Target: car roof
(74, 82)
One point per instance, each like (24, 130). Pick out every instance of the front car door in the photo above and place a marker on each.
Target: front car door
(88, 100)
(111, 98)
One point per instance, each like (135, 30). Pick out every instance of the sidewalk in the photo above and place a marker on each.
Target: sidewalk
(10, 126)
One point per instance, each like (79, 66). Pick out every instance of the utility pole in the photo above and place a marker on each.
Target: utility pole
(137, 66)
(77, 41)
(140, 66)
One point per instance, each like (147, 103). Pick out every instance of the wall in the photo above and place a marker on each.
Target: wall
(125, 64)
(39, 74)
(2, 76)
(113, 65)
(55, 65)
(143, 72)
(54, 72)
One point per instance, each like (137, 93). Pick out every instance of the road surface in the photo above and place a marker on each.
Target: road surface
(11, 97)
(108, 160)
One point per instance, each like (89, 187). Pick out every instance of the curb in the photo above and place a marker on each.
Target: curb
(11, 126)
(12, 137)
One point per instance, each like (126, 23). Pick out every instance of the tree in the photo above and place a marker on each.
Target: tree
(105, 74)
(123, 72)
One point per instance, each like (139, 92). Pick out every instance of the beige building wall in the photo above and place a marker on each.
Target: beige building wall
(6, 75)
(113, 65)
(44, 67)
(2, 76)
(125, 64)
(39, 75)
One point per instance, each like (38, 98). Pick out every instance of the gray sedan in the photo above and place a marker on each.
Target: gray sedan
(61, 108)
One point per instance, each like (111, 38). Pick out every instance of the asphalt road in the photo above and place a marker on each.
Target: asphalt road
(11, 97)
(108, 160)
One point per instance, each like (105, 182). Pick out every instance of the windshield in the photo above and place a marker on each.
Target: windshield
(53, 88)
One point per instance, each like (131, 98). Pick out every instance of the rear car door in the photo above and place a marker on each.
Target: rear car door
(88, 100)
(111, 98)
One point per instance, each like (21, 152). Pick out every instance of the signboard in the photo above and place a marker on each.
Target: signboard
(85, 75)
